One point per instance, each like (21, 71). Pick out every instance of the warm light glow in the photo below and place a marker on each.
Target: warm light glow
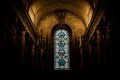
(40, 8)
(78, 16)
(75, 23)
(31, 14)
(47, 24)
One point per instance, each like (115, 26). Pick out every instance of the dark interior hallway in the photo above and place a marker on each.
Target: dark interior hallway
(28, 33)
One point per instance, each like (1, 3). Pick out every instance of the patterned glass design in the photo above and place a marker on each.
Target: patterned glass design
(61, 50)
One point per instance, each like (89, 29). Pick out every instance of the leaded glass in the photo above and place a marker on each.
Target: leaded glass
(61, 50)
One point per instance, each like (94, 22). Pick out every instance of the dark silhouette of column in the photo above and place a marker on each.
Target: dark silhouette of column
(21, 44)
(107, 42)
(32, 53)
(99, 50)
(90, 54)
(82, 62)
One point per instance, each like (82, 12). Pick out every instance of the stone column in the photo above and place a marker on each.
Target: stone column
(81, 49)
(98, 41)
(90, 54)
(107, 43)
(82, 63)
(21, 44)
(32, 53)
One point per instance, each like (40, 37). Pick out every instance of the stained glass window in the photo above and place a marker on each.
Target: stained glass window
(61, 50)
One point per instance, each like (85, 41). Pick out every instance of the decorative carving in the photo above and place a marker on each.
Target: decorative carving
(61, 16)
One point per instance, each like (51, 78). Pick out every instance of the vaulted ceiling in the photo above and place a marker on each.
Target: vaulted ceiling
(77, 14)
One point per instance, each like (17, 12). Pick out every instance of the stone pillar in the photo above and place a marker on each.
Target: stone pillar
(81, 49)
(99, 53)
(82, 63)
(107, 42)
(21, 44)
(32, 53)
(90, 54)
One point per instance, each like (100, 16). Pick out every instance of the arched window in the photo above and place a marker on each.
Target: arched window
(61, 50)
